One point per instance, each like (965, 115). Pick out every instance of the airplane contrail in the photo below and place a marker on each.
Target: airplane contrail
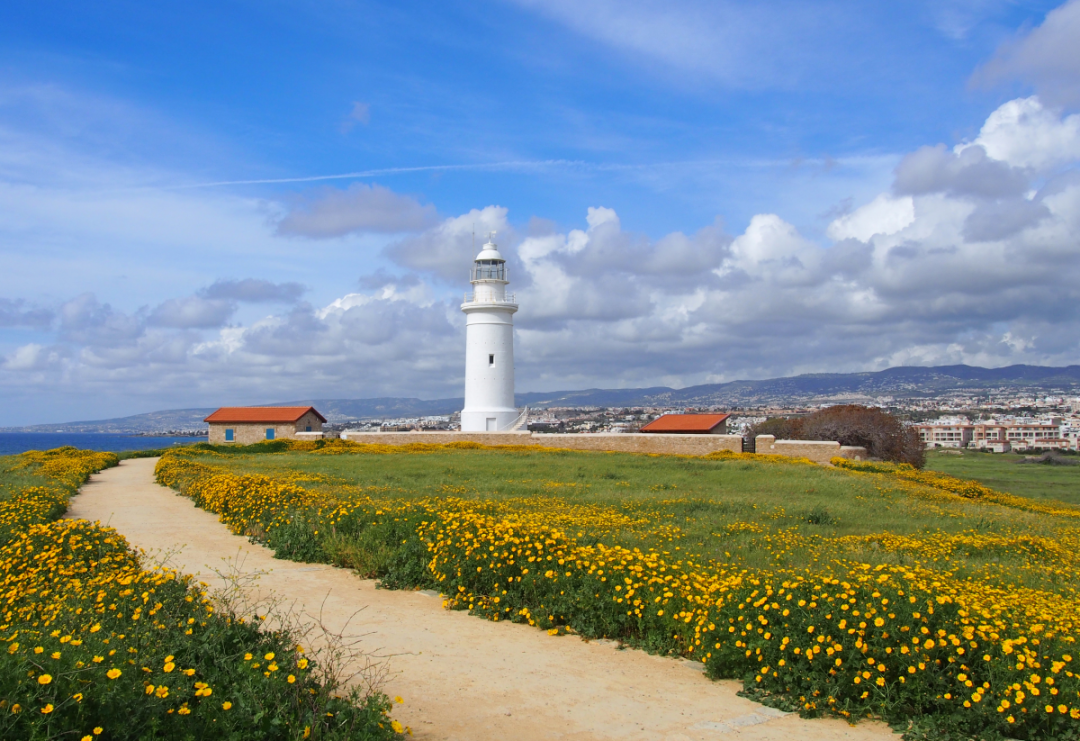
(391, 171)
(508, 165)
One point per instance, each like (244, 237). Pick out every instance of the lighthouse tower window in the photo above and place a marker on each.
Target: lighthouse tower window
(491, 360)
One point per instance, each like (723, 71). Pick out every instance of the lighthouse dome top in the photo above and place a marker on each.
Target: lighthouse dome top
(490, 250)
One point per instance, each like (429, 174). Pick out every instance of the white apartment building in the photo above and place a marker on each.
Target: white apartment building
(998, 436)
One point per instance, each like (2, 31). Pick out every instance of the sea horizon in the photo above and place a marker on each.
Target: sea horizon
(13, 443)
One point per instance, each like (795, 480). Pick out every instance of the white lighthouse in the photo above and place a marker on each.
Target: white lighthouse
(489, 347)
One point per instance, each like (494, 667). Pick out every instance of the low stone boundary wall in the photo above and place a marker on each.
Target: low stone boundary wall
(641, 442)
(638, 442)
(819, 451)
(439, 438)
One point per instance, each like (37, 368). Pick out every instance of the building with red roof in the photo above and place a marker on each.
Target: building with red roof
(689, 424)
(246, 425)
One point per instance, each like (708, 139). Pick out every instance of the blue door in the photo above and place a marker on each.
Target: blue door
(269, 433)
(228, 435)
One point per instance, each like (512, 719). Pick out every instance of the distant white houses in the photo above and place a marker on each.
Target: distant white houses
(998, 436)
(247, 425)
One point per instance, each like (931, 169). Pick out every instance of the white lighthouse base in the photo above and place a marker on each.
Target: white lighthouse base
(498, 419)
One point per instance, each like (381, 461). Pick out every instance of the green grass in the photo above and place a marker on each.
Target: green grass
(800, 509)
(804, 535)
(1002, 471)
(14, 479)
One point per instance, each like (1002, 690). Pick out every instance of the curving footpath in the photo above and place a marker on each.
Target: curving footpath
(462, 678)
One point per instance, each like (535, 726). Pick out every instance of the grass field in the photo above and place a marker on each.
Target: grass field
(1002, 471)
(722, 509)
(940, 605)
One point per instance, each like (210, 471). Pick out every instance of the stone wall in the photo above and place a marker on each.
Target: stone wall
(609, 442)
(438, 438)
(819, 451)
(642, 442)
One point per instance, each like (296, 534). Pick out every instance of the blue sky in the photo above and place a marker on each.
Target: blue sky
(689, 192)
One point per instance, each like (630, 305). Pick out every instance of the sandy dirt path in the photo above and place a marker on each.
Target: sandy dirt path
(463, 678)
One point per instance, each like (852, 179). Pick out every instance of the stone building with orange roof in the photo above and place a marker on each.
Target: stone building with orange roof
(689, 424)
(247, 425)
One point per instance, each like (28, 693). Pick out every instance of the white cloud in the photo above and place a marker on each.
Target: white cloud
(31, 357)
(360, 208)
(448, 248)
(969, 171)
(1047, 57)
(254, 290)
(970, 257)
(772, 250)
(1024, 133)
(192, 312)
(16, 313)
(883, 215)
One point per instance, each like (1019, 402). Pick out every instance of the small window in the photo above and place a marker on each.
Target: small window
(229, 435)
(269, 433)
(491, 360)
(308, 429)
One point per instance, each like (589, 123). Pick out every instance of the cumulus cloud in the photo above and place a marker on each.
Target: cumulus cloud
(360, 208)
(16, 313)
(885, 214)
(193, 312)
(971, 171)
(1047, 57)
(1024, 133)
(991, 222)
(87, 321)
(32, 357)
(253, 290)
(447, 249)
(970, 257)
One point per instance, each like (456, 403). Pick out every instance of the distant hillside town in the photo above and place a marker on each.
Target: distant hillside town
(953, 406)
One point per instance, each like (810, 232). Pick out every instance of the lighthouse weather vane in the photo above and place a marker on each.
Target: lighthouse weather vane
(489, 346)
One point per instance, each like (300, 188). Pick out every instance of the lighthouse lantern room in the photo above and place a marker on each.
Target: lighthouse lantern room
(489, 346)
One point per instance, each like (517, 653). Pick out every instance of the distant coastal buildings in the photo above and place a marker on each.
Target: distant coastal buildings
(1000, 436)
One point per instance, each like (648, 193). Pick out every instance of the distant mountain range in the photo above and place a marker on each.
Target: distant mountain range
(904, 382)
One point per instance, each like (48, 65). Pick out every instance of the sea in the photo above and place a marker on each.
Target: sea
(12, 443)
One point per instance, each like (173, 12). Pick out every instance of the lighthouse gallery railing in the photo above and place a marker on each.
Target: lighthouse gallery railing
(470, 298)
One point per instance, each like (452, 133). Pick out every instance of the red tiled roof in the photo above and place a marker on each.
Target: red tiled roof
(257, 415)
(685, 423)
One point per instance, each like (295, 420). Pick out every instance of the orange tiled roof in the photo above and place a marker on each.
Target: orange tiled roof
(257, 415)
(685, 423)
